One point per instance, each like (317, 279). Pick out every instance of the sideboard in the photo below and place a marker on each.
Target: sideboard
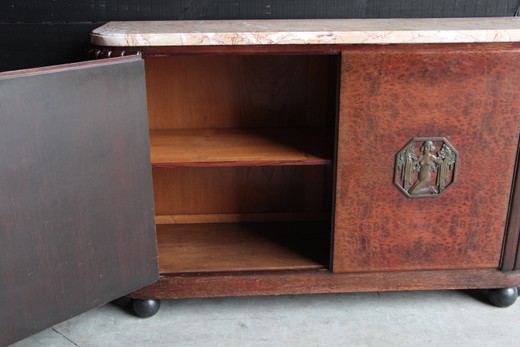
(315, 156)
(261, 157)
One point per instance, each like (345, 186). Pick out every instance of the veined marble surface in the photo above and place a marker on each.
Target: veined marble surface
(307, 31)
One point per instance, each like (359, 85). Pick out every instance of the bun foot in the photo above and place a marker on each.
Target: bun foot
(503, 297)
(145, 308)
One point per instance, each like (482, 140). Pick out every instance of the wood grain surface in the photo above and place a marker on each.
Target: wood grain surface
(238, 91)
(389, 95)
(242, 217)
(322, 281)
(76, 207)
(237, 190)
(192, 248)
(240, 147)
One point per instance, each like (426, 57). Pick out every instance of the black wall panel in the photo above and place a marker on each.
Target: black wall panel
(33, 45)
(42, 32)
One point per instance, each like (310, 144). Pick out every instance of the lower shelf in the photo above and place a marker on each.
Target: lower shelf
(225, 247)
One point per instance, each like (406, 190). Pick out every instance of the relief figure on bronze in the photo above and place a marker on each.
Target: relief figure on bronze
(426, 164)
(427, 173)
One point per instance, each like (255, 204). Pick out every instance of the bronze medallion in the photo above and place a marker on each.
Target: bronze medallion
(425, 167)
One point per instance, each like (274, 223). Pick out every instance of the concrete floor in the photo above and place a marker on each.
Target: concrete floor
(434, 318)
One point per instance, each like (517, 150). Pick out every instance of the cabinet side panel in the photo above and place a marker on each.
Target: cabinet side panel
(76, 205)
(465, 94)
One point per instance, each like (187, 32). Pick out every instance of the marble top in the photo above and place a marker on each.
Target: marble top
(307, 31)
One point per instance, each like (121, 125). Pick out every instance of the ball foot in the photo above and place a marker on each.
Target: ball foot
(503, 297)
(145, 308)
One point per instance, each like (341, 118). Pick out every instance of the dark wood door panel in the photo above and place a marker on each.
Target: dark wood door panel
(76, 205)
(466, 94)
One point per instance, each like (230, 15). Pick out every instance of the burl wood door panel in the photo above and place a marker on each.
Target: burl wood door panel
(76, 204)
(466, 94)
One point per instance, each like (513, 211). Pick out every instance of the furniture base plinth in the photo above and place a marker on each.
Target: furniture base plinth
(322, 281)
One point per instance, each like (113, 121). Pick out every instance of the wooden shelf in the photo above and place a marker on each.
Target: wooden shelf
(240, 217)
(240, 147)
(199, 248)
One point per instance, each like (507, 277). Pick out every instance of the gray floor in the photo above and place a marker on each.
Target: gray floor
(442, 318)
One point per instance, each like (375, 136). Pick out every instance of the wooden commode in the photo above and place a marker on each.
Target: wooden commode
(275, 152)
(296, 156)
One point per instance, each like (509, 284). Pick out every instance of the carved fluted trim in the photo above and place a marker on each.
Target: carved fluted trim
(103, 53)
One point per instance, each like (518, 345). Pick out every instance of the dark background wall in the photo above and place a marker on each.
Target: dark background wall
(45, 32)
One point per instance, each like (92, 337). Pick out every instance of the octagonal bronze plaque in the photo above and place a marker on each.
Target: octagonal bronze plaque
(425, 167)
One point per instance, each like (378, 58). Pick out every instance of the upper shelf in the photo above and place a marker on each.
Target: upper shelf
(307, 31)
(240, 147)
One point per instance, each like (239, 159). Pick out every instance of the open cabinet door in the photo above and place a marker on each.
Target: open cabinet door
(76, 202)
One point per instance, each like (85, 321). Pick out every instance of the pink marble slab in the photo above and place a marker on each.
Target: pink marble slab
(307, 31)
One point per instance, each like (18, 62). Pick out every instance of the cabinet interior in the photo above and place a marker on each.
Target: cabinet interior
(242, 151)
